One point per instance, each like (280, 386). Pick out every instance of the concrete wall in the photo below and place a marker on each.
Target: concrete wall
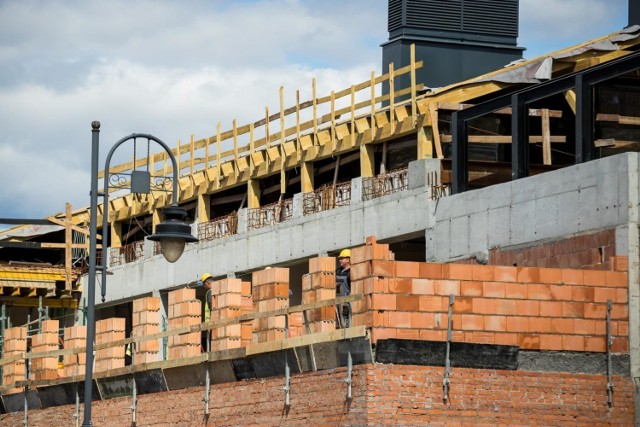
(586, 197)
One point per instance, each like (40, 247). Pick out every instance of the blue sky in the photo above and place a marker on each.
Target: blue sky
(174, 69)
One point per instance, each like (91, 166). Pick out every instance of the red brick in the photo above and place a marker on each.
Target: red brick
(517, 324)
(431, 335)
(550, 309)
(382, 268)
(376, 285)
(604, 294)
(584, 327)
(483, 337)
(408, 334)
(505, 274)
(382, 333)
(539, 291)
(506, 339)
(529, 341)
(407, 269)
(595, 277)
(620, 311)
(422, 320)
(430, 270)
(561, 292)
(483, 305)
(573, 309)
(432, 303)
(471, 289)
(595, 344)
(562, 326)
(621, 296)
(572, 277)
(370, 240)
(383, 302)
(622, 328)
(400, 286)
(528, 274)
(582, 293)
(528, 307)
(422, 287)
(399, 319)
(472, 322)
(620, 345)
(361, 271)
(595, 310)
(540, 324)
(516, 290)
(619, 263)
(447, 287)
(483, 273)
(573, 342)
(493, 290)
(550, 275)
(550, 342)
(457, 271)
(495, 323)
(407, 302)
(506, 307)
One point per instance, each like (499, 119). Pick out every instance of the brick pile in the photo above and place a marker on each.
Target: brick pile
(226, 303)
(184, 311)
(74, 364)
(246, 307)
(146, 321)
(534, 308)
(108, 331)
(270, 292)
(15, 342)
(45, 368)
(319, 285)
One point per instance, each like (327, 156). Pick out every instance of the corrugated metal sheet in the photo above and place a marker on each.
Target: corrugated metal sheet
(395, 15)
(491, 17)
(434, 14)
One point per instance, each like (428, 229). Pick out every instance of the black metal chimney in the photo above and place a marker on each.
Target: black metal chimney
(456, 39)
(634, 12)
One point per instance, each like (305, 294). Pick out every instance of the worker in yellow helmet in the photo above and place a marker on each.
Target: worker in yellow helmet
(207, 281)
(343, 287)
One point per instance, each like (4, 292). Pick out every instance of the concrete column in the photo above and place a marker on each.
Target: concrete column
(298, 205)
(424, 172)
(242, 220)
(356, 190)
(148, 248)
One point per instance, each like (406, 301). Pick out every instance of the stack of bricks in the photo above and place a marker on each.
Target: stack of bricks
(319, 285)
(184, 311)
(270, 292)
(15, 343)
(226, 303)
(246, 307)
(530, 307)
(74, 364)
(45, 368)
(108, 331)
(146, 321)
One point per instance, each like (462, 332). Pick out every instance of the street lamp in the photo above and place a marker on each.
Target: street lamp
(172, 234)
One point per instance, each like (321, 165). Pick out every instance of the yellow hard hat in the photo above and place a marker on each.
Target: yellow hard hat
(206, 276)
(346, 253)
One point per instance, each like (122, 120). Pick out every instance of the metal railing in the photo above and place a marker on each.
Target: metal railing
(327, 197)
(219, 227)
(270, 214)
(128, 253)
(386, 183)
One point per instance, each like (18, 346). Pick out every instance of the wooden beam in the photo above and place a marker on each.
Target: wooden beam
(203, 208)
(68, 240)
(367, 161)
(546, 138)
(615, 118)
(504, 139)
(253, 194)
(306, 173)
(570, 96)
(533, 112)
(116, 235)
(433, 114)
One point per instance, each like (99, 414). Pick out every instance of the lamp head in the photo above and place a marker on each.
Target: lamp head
(173, 233)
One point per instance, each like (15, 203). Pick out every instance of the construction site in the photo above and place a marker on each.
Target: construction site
(491, 206)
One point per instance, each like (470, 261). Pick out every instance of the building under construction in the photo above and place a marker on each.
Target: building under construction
(492, 216)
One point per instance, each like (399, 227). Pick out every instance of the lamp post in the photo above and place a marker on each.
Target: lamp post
(172, 234)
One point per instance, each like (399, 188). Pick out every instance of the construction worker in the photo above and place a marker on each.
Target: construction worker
(343, 287)
(207, 281)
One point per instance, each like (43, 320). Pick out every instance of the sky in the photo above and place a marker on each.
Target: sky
(177, 68)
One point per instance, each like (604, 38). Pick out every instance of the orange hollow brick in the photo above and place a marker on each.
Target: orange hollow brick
(181, 295)
(322, 264)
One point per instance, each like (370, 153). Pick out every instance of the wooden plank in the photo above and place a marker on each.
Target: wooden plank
(546, 138)
(307, 340)
(68, 240)
(570, 96)
(433, 114)
(615, 118)
(616, 143)
(392, 97)
(218, 142)
(505, 139)
(533, 112)
(283, 180)
(298, 147)
(412, 62)
(191, 154)
(315, 110)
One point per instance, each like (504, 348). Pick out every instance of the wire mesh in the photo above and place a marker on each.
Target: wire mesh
(327, 197)
(386, 183)
(128, 253)
(270, 214)
(219, 227)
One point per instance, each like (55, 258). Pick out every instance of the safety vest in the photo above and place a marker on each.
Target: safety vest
(343, 282)
(207, 306)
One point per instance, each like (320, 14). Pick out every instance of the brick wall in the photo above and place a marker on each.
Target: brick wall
(593, 250)
(383, 395)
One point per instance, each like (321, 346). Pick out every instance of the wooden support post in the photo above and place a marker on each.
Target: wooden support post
(570, 96)
(334, 143)
(155, 219)
(191, 154)
(392, 99)
(266, 133)
(314, 99)
(116, 234)
(425, 142)
(206, 154)
(412, 54)
(283, 159)
(373, 107)
(433, 113)
(367, 165)
(251, 149)
(176, 173)
(235, 146)
(253, 193)
(298, 148)
(546, 137)
(68, 240)
(352, 129)
(204, 208)
(306, 176)
(218, 142)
